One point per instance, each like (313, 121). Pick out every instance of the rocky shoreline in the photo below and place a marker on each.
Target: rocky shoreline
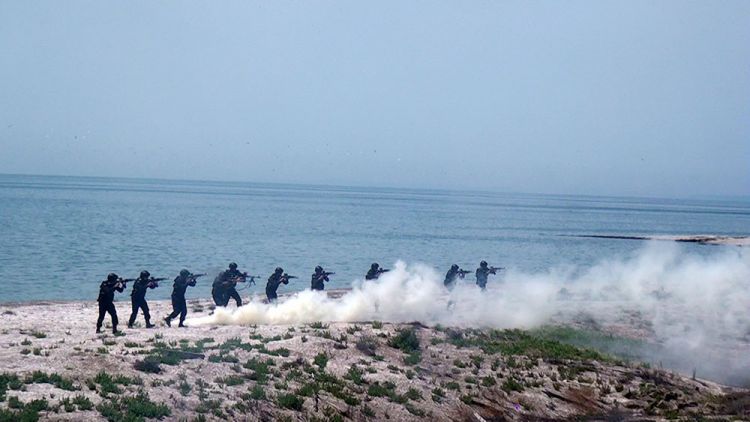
(54, 367)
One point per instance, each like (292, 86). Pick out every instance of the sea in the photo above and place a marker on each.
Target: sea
(61, 236)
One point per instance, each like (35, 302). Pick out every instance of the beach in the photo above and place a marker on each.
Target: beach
(366, 370)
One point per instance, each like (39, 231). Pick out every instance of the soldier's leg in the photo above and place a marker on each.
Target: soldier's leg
(183, 311)
(218, 297)
(146, 314)
(113, 313)
(100, 320)
(134, 313)
(236, 296)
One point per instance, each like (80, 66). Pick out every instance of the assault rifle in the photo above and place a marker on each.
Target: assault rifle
(123, 281)
(245, 276)
(194, 276)
(288, 277)
(494, 270)
(462, 273)
(156, 281)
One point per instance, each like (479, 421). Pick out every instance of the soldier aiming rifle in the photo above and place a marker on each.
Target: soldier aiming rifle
(179, 305)
(138, 297)
(319, 278)
(106, 299)
(483, 273)
(277, 278)
(374, 272)
(453, 274)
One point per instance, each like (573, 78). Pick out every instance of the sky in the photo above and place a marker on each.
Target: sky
(646, 98)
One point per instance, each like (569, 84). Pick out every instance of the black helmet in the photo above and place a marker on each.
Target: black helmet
(232, 265)
(112, 277)
(454, 267)
(374, 266)
(184, 273)
(278, 270)
(145, 274)
(318, 269)
(483, 264)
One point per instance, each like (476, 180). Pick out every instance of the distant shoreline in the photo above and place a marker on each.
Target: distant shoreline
(700, 239)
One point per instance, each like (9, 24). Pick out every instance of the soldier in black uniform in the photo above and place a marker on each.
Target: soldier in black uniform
(138, 298)
(451, 277)
(179, 306)
(224, 285)
(274, 281)
(232, 276)
(374, 272)
(483, 273)
(319, 278)
(106, 300)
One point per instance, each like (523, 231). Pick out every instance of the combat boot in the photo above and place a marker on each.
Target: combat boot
(168, 320)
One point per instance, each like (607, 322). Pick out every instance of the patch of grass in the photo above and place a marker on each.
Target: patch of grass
(511, 384)
(376, 325)
(413, 394)
(290, 401)
(82, 402)
(38, 334)
(318, 325)
(414, 410)
(413, 358)
(40, 377)
(257, 393)
(488, 381)
(355, 375)
(452, 385)
(520, 343)
(26, 342)
(259, 368)
(25, 351)
(405, 340)
(367, 345)
(134, 408)
(150, 365)
(321, 360)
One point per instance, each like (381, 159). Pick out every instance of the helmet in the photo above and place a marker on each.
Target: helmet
(374, 266)
(233, 266)
(454, 267)
(112, 277)
(318, 269)
(278, 270)
(145, 274)
(483, 264)
(184, 273)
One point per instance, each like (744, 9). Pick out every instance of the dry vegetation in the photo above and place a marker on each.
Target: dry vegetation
(320, 371)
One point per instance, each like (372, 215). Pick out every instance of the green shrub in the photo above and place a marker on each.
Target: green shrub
(405, 340)
(290, 401)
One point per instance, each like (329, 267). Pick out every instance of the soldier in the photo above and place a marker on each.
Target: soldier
(374, 272)
(233, 276)
(179, 306)
(451, 276)
(483, 273)
(274, 281)
(224, 287)
(138, 298)
(106, 300)
(319, 278)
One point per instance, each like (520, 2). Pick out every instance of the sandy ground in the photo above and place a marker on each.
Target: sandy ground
(337, 371)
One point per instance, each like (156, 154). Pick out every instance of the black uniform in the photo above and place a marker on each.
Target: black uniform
(482, 274)
(231, 276)
(451, 276)
(273, 284)
(374, 272)
(219, 291)
(106, 302)
(318, 280)
(179, 305)
(138, 300)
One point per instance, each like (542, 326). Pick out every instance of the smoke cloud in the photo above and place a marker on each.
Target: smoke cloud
(693, 310)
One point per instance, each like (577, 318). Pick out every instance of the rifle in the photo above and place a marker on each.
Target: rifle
(123, 281)
(244, 277)
(288, 277)
(493, 270)
(383, 270)
(156, 281)
(194, 276)
(462, 273)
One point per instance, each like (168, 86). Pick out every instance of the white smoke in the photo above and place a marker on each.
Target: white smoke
(695, 308)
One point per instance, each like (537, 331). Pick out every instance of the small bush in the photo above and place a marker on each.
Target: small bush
(405, 340)
(367, 345)
(290, 401)
(321, 360)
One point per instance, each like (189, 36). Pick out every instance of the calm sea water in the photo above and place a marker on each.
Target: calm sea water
(60, 236)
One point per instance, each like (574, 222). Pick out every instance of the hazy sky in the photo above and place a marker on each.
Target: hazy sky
(595, 97)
